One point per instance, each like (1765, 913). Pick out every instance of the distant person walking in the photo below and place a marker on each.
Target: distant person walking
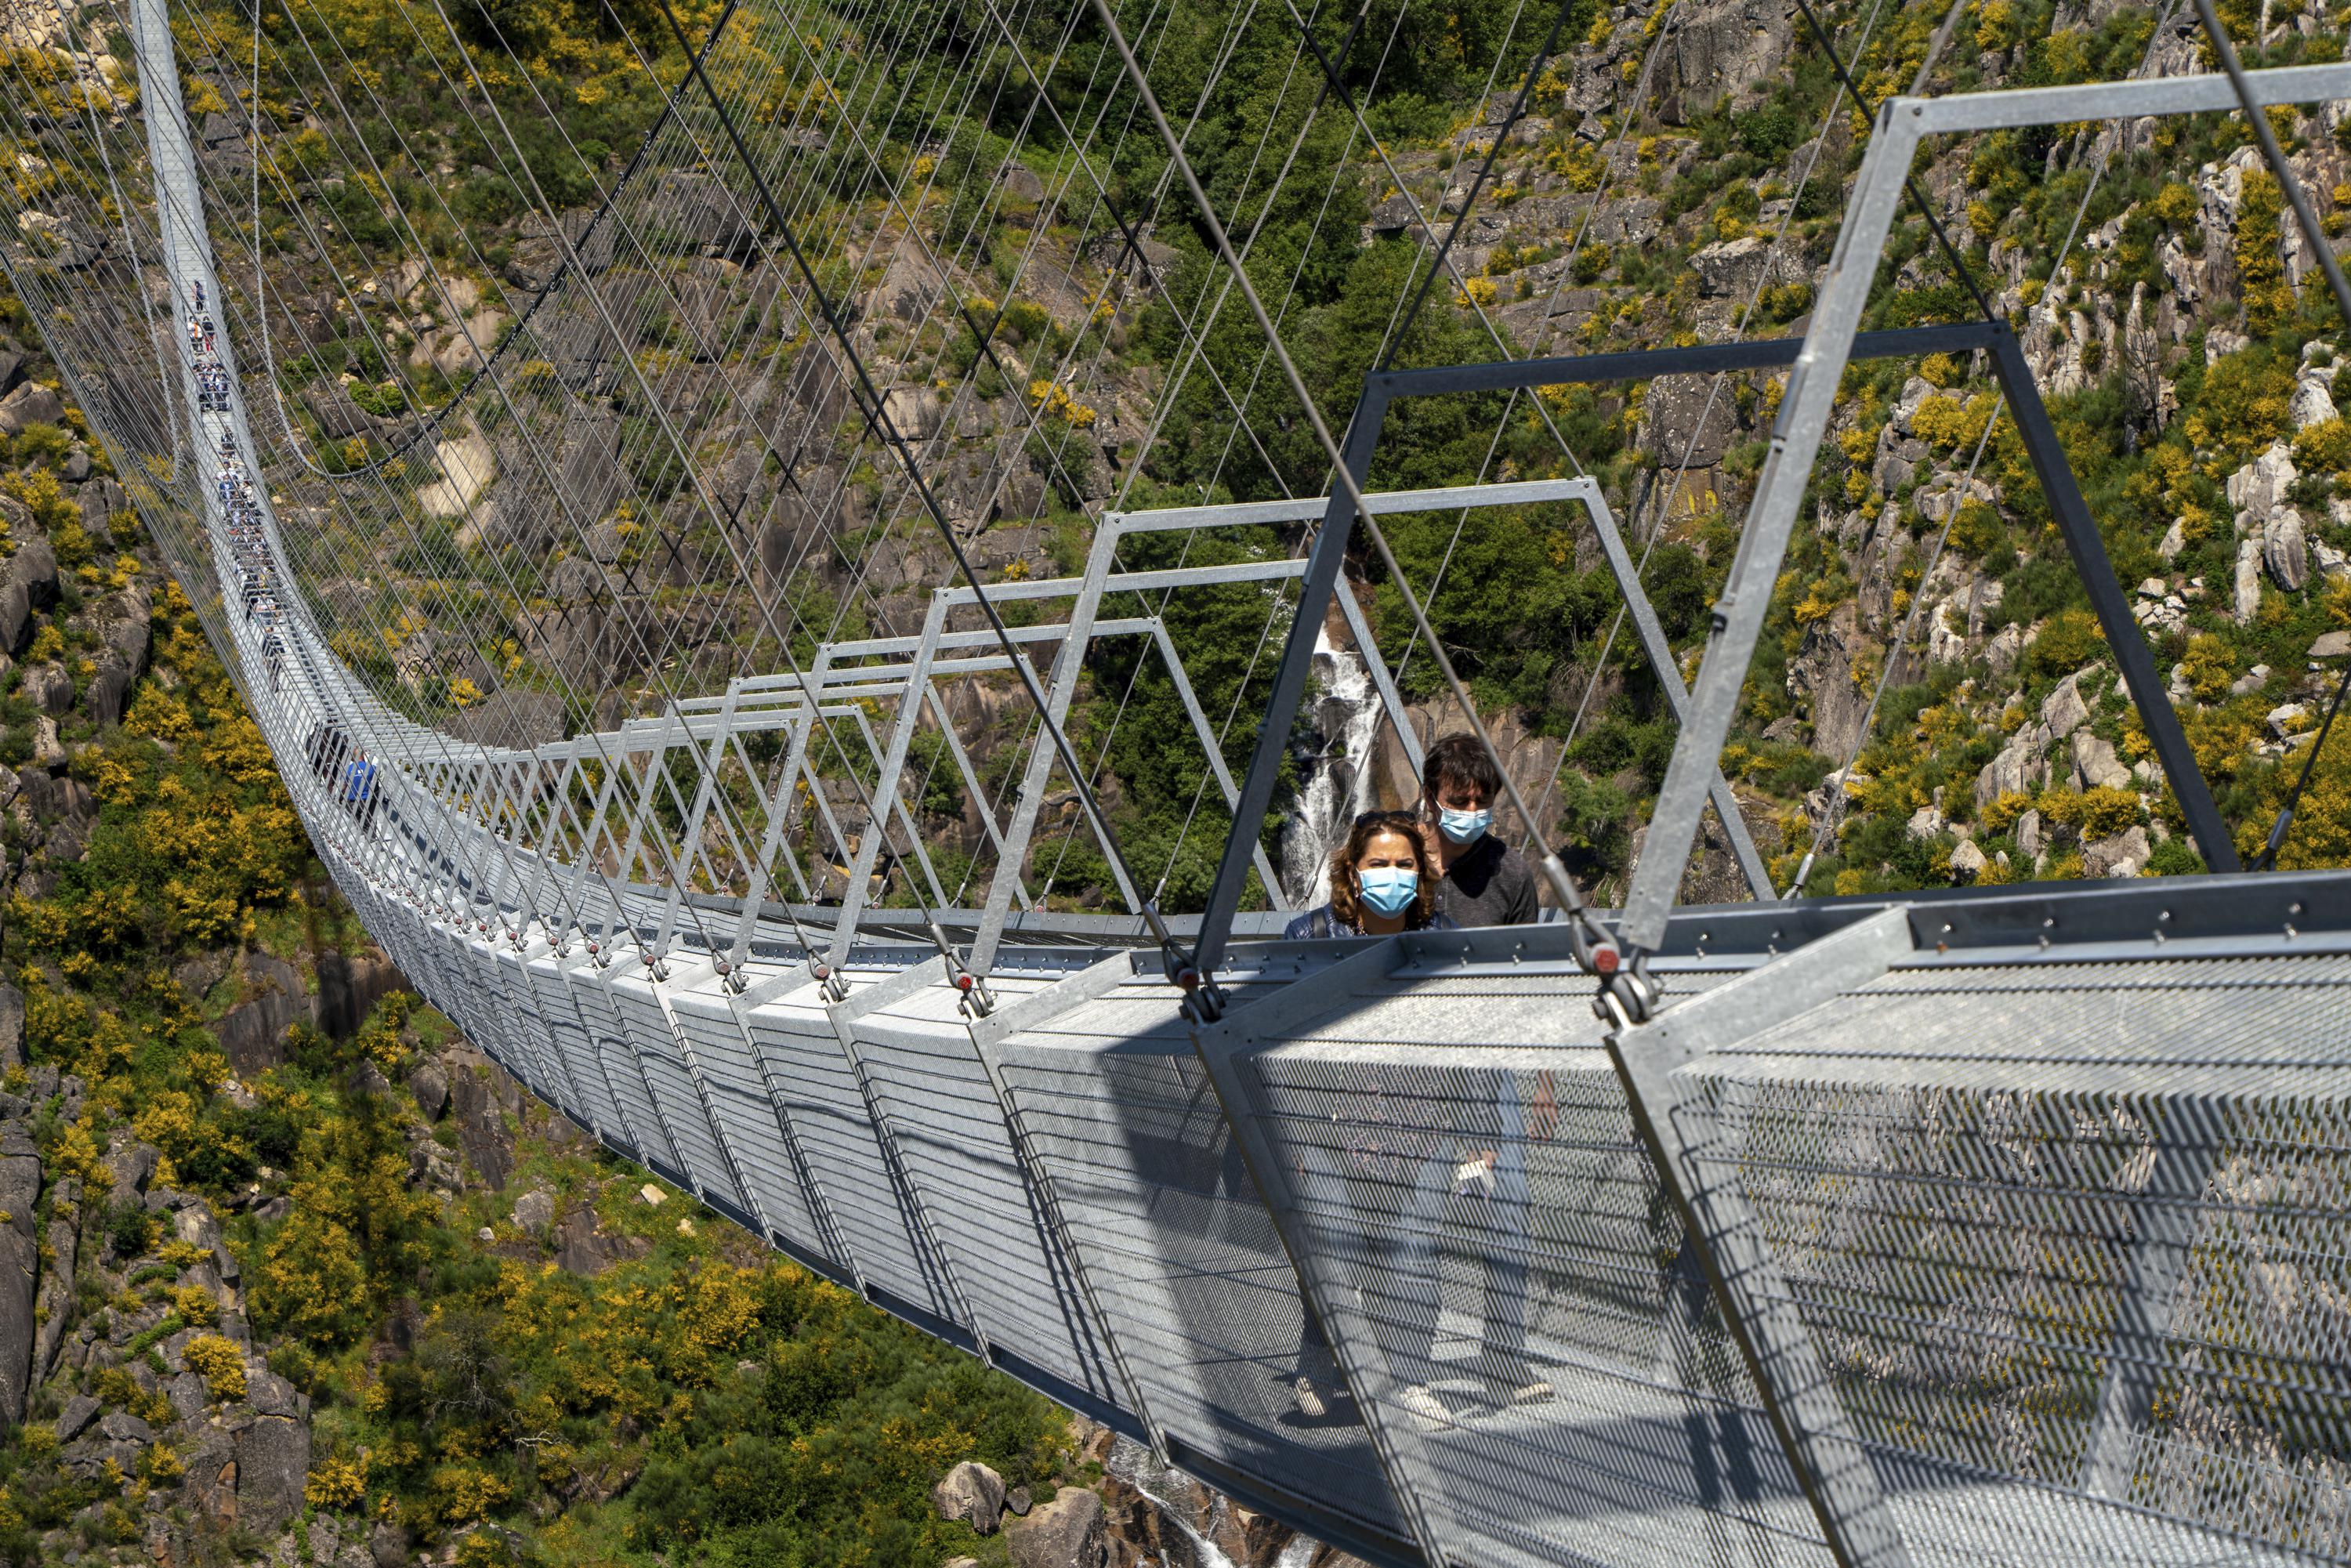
(359, 790)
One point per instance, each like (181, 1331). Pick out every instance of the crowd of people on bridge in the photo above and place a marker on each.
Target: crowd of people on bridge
(256, 573)
(348, 773)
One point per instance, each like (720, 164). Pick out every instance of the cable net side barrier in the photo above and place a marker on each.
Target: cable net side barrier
(571, 485)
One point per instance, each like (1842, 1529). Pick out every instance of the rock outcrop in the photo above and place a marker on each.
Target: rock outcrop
(20, 1265)
(971, 1492)
(1067, 1532)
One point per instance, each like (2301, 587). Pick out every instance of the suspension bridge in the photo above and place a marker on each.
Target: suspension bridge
(2001, 1225)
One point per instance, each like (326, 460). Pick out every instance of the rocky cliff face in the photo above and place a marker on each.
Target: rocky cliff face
(138, 1363)
(1137, 1514)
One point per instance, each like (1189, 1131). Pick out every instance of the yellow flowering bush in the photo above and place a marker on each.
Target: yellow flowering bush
(337, 1482)
(196, 1304)
(219, 1363)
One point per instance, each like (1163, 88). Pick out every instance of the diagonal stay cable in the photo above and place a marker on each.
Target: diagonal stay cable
(980, 335)
(1478, 184)
(2267, 859)
(2271, 151)
(1725, 803)
(1593, 943)
(1166, 402)
(1835, 809)
(433, 419)
(1661, 509)
(877, 411)
(701, 490)
(1166, 405)
(1909, 182)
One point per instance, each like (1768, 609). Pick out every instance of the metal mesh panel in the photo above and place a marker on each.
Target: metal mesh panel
(408, 951)
(1184, 1258)
(999, 1238)
(404, 931)
(2080, 1225)
(623, 1071)
(868, 1204)
(441, 960)
(477, 974)
(514, 1033)
(522, 987)
(422, 963)
(672, 1083)
(465, 962)
(748, 1116)
(1543, 1363)
(2069, 1250)
(385, 921)
(553, 1082)
(568, 1033)
(483, 1023)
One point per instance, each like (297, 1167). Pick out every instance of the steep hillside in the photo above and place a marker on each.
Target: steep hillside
(290, 1272)
(286, 1267)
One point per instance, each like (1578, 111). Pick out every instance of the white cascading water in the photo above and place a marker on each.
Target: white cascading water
(1135, 1465)
(1347, 718)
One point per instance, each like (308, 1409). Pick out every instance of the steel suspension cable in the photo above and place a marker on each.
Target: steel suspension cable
(1594, 949)
(1661, 510)
(879, 414)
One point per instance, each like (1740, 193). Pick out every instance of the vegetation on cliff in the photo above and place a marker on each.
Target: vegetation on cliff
(476, 1333)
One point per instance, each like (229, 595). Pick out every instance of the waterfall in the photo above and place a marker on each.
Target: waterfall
(1340, 782)
(1135, 1465)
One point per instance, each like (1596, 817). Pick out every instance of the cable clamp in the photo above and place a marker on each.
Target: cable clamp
(1627, 996)
(978, 1001)
(1203, 1002)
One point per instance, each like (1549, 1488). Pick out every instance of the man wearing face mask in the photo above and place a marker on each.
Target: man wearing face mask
(1481, 880)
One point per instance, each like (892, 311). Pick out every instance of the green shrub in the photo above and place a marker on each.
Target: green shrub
(129, 1227)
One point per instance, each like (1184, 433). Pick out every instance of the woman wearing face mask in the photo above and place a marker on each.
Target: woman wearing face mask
(1376, 890)
(1377, 885)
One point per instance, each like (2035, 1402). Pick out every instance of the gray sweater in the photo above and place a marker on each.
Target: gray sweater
(1490, 885)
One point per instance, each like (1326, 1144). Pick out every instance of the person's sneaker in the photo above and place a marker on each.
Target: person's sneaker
(1534, 1393)
(1426, 1408)
(1311, 1402)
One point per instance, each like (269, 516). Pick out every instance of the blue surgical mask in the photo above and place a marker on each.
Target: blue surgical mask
(1464, 827)
(1388, 889)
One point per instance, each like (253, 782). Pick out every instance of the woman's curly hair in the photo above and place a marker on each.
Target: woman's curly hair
(1346, 905)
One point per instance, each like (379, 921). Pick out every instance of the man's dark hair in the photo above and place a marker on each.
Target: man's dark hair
(1460, 760)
